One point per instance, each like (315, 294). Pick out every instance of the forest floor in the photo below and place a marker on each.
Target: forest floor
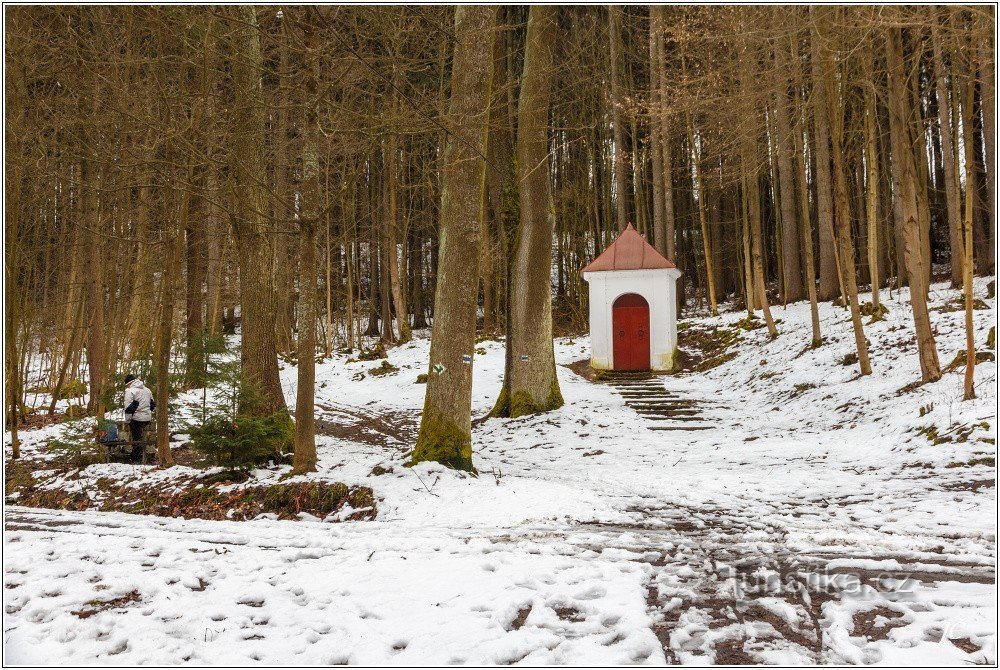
(817, 517)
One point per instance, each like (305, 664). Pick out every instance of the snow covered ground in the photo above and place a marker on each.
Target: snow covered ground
(823, 518)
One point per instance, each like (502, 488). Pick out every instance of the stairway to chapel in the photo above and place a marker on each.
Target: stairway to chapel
(645, 393)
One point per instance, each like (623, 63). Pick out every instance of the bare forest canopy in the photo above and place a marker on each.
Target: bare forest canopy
(334, 177)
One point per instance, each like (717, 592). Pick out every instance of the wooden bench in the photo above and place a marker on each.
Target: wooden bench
(119, 445)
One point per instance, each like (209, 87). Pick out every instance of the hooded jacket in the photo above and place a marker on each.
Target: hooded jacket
(139, 402)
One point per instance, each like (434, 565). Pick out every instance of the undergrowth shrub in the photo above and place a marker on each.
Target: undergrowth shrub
(241, 442)
(232, 437)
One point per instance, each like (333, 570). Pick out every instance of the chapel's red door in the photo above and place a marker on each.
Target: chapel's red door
(630, 323)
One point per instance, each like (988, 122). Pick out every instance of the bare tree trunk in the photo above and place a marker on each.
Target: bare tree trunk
(617, 100)
(842, 212)
(790, 256)
(703, 221)
(96, 360)
(951, 183)
(503, 189)
(655, 127)
(534, 386)
(259, 348)
(283, 262)
(304, 457)
(391, 230)
(802, 185)
(872, 184)
(918, 133)
(752, 193)
(967, 265)
(171, 240)
(194, 312)
(902, 156)
(828, 266)
(445, 432)
(214, 266)
(668, 245)
(987, 91)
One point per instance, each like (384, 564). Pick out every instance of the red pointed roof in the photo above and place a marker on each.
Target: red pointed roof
(629, 251)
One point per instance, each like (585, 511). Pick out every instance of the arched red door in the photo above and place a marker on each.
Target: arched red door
(630, 323)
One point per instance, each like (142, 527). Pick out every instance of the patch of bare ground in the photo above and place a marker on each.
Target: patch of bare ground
(522, 616)
(965, 644)
(38, 420)
(664, 620)
(194, 497)
(784, 629)
(186, 456)
(97, 606)
(355, 425)
(705, 347)
(732, 652)
(876, 624)
(583, 369)
(975, 485)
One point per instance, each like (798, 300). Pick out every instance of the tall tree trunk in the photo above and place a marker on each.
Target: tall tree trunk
(872, 185)
(171, 241)
(655, 126)
(282, 209)
(706, 242)
(668, 246)
(967, 265)
(417, 280)
(304, 457)
(258, 354)
(790, 257)
(96, 359)
(756, 253)
(951, 183)
(987, 65)
(392, 228)
(842, 210)
(828, 268)
(802, 186)
(902, 156)
(534, 386)
(445, 432)
(918, 134)
(502, 187)
(617, 101)
(194, 312)
(214, 266)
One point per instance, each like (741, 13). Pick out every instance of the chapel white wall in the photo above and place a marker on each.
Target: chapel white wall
(659, 288)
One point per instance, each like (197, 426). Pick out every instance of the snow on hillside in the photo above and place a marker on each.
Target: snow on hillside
(822, 518)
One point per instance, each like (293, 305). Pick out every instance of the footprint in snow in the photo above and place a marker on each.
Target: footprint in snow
(593, 593)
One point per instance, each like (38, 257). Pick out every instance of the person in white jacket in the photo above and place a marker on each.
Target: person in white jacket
(139, 406)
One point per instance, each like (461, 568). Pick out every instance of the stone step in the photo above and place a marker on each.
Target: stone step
(661, 417)
(651, 395)
(667, 412)
(680, 427)
(643, 389)
(646, 392)
(672, 398)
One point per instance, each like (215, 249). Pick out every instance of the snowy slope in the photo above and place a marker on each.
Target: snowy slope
(587, 538)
